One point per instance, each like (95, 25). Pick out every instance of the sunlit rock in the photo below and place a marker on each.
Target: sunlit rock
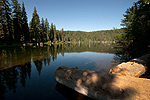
(103, 86)
(134, 68)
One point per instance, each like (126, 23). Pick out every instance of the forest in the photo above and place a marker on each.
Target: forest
(14, 28)
(102, 36)
(136, 37)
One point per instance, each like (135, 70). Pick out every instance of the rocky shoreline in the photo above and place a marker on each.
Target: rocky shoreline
(122, 82)
(138, 67)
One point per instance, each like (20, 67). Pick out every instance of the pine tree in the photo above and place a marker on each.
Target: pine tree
(137, 23)
(55, 33)
(52, 32)
(42, 30)
(17, 20)
(34, 25)
(62, 34)
(58, 35)
(47, 29)
(25, 28)
(5, 20)
(3, 31)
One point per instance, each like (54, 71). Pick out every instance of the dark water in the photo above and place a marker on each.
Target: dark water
(27, 73)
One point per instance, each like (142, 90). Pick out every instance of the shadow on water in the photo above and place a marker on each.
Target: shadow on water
(125, 54)
(70, 94)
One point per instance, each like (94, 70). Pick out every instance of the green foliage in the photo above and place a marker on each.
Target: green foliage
(52, 32)
(42, 30)
(5, 20)
(47, 29)
(137, 24)
(35, 25)
(15, 27)
(105, 35)
(17, 20)
(48, 42)
(13, 19)
(55, 34)
(25, 28)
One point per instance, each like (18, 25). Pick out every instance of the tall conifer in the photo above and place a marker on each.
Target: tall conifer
(42, 30)
(25, 28)
(17, 20)
(52, 32)
(47, 29)
(62, 34)
(35, 24)
(55, 33)
(5, 20)
(137, 23)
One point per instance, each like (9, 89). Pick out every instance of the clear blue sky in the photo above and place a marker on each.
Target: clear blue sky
(83, 15)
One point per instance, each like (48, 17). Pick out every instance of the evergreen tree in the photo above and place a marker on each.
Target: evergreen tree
(137, 23)
(3, 31)
(58, 36)
(17, 20)
(55, 33)
(62, 34)
(25, 28)
(5, 20)
(42, 28)
(34, 25)
(52, 32)
(47, 29)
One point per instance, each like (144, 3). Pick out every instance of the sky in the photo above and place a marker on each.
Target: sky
(80, 15)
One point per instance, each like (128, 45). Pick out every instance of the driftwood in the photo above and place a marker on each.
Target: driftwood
(104, 86)
(134, 68)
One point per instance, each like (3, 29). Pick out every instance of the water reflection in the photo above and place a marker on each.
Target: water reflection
(38, 64)
(16, 63)
(10, 77)
(12, 56)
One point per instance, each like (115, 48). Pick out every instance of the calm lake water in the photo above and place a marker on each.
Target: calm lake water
(27, 73)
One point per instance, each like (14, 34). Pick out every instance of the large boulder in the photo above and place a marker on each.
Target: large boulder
(134, 68)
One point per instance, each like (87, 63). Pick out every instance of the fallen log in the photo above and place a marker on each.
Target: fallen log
(134, 68)
(69, 93)
(103, 86)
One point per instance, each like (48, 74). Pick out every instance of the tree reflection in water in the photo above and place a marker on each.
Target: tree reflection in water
(9, 78)
(15, 62)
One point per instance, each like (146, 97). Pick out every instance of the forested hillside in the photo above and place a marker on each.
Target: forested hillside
(105, 35)
(15, 28)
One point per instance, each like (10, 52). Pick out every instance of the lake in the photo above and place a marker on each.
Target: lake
(27, 73)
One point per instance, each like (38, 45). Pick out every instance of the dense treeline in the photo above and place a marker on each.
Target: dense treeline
(13, 22)
(106, 35)
(14, 27)
(41, 31)
(136, 22)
